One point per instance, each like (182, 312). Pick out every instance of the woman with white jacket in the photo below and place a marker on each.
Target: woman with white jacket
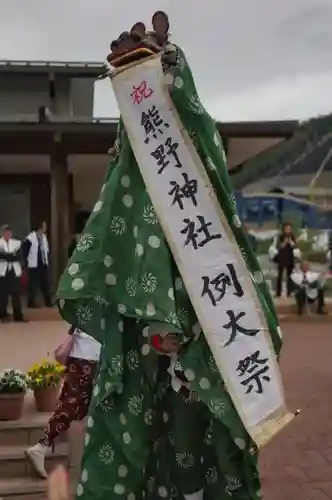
(75, 396)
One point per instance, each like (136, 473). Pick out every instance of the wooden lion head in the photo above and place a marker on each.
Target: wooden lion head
(139, 43)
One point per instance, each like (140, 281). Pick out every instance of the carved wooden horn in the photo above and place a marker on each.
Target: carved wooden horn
(160, 25)
(138, 30)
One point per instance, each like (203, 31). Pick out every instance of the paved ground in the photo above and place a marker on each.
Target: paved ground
(297, 465)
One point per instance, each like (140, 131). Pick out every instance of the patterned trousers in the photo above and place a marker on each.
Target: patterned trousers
(74, 400)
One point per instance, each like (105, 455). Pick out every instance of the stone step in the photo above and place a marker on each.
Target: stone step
(23, 488)
(14, 464)
(25, 431)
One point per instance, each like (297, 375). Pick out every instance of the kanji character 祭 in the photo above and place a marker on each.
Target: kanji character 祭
(255, 368)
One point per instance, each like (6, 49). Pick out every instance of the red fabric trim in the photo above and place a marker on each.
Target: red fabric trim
(156, 341)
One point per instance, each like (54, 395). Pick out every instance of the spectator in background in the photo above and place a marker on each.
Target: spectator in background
(36, 253)
(283, 252)
(308, 288)
(329, 253)
(10, 275)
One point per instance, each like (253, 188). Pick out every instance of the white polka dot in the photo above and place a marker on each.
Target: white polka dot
(170, 293)
(165, 417)
(90, 421)
(210, 164)
(178, 284)
(150, 309)
(237, 221)
(62, 303)
(86, 439)
(145, 332)
(162, 492)
(279, 331)
(108, 261)
(84, 476)
(258, 277)
(216, 139)
(145, 349)
(123, 419)
(131, 496)
(196, 329)
(154, 241)
(240, 443)
(135, 231)
(98, 206)
(168, 79)
(139, 250)
(120, 325)
(190, 375)
(79, 490)
(102, 323)
(125, 181)
(139, 312)
(108, 386)
(259, 493)
(126, 437)
(122, 309)
(122, 470)
(178, 82)
(110, 279)
(96, 390)
(119, 489)
(204, 383)
(73, 269)
(128, 200)
(77, 284)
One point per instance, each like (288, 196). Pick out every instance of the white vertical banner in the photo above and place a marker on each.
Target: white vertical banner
(209, 260)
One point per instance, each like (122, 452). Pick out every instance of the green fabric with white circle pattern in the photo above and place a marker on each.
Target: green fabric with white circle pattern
(122, 279)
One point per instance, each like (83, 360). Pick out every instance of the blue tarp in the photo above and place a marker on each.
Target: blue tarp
(260, 210)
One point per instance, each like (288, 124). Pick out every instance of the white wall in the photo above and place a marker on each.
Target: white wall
(88, 176)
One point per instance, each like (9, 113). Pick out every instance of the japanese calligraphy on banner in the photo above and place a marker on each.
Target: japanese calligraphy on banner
(208, 258)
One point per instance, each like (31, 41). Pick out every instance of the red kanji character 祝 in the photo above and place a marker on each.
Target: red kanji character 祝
(141, 92)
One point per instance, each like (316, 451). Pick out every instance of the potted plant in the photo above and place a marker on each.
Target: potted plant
(13, 386)
(44, 380)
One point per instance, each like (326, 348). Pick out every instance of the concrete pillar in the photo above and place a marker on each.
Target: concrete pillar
(60, 230)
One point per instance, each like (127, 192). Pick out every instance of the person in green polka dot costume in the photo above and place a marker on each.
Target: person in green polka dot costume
(159, 426)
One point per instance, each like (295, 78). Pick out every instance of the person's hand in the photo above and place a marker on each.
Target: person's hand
(58, 484)
(170, 344)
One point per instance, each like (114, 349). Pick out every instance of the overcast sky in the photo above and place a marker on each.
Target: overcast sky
(252, 59)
